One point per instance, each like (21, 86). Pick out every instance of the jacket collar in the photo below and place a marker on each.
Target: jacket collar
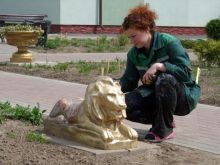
(157, 43)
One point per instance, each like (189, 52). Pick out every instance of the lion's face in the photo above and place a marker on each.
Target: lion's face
(113, 100)
(106, 99)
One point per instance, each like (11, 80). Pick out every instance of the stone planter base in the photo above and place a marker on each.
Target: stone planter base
(21, 57)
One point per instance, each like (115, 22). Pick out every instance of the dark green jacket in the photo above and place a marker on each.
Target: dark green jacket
(165, 49)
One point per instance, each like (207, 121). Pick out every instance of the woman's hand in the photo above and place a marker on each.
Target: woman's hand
(151, 73)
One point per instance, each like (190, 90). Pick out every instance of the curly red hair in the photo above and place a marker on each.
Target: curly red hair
(140, 18)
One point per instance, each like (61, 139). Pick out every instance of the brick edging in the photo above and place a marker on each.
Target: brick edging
(93, 29)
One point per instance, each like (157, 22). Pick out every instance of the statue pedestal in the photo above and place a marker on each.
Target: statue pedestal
(76, 133)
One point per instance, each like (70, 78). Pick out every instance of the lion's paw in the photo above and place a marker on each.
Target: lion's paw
(132, 133)
(128, 132)
(107, 136)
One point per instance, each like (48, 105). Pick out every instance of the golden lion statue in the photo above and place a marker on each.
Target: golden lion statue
(97, 120)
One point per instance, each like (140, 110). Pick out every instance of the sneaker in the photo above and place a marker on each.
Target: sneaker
(153, 138)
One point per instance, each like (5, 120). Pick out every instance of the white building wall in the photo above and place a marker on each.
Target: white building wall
(202, 11)
(79, 12)
(189, 13)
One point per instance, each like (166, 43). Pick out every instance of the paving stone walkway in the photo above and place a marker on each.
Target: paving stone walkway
(200, 129)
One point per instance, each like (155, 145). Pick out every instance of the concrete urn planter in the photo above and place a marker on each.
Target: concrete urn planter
(21, 39)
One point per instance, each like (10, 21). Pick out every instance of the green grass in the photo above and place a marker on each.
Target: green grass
(36, 137)
(58, 67)
(27, 66)
(83, 67)
(101, 44)
(43, 66)
(120, 43)
(207, 72)
(53, 43)
(109, 67)
(86, 67)
(61, 66)
(217, 82)
(18, 112)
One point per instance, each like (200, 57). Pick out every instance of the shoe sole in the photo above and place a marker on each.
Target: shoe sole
(170, 136)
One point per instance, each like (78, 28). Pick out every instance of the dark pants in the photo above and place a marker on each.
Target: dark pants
(159, 107)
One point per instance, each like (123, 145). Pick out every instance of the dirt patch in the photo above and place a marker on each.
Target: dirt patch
(209, 82)
(16, 150)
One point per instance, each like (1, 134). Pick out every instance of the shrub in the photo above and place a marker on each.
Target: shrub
(32, 115)
(209, 52)
(51, 44)
(188, 44)
(56, 42)
(213, 29)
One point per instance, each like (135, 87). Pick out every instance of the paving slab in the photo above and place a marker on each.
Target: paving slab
(150, 149)
(199, 130)
(30, 90)
(6, 52)
(67, 57)
(6, 49)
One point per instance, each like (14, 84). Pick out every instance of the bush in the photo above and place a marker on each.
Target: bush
(52, 44)
(188, 44)
(209, 52)
(56, 42)
(32, 115)
(213, 29)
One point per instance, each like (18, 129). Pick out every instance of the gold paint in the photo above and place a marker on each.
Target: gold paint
(97, 121)
(22, 40)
